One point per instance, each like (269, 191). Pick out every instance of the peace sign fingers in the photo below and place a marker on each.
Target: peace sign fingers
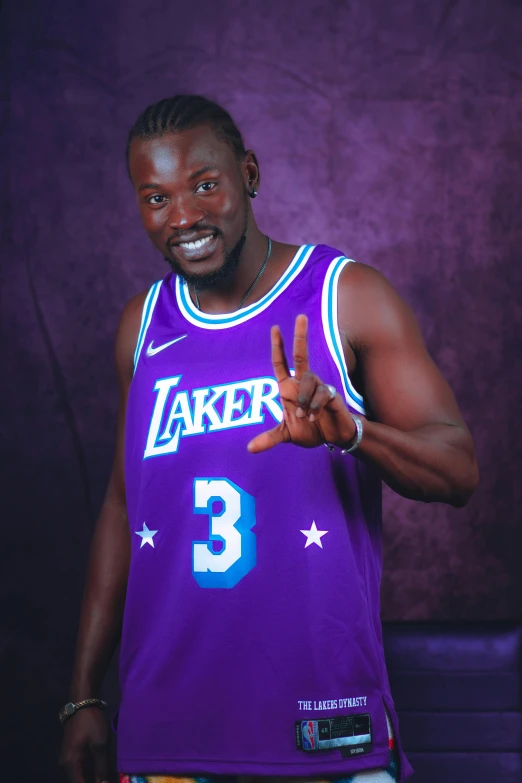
(279, 362)
(312, 411)
(301, 346)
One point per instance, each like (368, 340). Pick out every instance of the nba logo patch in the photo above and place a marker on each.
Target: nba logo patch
(308, 737)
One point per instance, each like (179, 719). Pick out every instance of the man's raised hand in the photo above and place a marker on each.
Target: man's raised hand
(311, 415)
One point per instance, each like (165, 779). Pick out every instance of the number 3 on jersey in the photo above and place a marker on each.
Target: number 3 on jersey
(231, 524)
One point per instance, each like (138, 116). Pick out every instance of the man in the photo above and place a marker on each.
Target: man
(249, 569)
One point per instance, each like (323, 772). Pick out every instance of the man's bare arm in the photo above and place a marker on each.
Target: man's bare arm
(415, 435)
(86, 732)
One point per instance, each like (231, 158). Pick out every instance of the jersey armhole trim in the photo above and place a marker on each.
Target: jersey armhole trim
(331, 330)
(146, 317)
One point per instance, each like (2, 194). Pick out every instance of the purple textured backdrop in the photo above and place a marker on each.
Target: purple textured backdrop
(391, 131)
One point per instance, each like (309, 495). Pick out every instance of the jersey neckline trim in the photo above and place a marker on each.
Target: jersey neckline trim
(225, 320)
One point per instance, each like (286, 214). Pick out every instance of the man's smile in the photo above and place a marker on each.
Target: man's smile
(196, 249)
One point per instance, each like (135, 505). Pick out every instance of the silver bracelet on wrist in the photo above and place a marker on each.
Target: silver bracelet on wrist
(71, 707)
(357, 438)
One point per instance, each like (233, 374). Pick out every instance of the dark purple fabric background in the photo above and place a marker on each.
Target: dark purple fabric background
(389, 130)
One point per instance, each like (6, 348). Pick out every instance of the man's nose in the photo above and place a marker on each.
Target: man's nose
(185, 212)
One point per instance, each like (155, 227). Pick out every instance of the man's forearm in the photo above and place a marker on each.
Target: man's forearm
(433, 463)
(103, 602)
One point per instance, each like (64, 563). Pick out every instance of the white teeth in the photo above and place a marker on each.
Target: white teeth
(196, 244)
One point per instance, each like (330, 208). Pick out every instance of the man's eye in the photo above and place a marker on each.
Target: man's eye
(205, 187)
(156, 199)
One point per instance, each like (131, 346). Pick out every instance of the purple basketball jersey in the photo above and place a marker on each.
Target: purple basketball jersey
(252, 637)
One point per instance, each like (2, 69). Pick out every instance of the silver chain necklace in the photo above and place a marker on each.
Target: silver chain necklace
(249, 291)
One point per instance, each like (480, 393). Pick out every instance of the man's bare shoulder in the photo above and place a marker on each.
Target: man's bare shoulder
(132, 312)
(363, 280)
(370, 308)
(127, 334)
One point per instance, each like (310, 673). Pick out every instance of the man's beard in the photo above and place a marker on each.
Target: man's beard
(212, 279)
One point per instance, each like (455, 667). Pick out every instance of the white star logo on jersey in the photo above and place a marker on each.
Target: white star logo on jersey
(146, 536)
(313, 536)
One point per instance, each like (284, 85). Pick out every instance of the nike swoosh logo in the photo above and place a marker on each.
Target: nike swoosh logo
(152, 351)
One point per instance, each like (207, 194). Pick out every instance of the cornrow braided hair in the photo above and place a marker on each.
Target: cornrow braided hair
(181, 112)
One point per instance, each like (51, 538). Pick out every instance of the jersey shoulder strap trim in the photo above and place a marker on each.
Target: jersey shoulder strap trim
(146, 317)
(331, 329)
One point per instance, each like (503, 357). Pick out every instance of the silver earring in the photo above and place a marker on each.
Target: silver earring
(253, 194)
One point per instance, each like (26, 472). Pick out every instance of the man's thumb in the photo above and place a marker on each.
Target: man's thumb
(265, 441)
(100, 756)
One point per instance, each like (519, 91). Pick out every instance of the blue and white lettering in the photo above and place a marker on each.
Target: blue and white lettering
(163, 388)
(181, 412)
(232, 526)
(264, 395)
(209, 409)
(205, 408)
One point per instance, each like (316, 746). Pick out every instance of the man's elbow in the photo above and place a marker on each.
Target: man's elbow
(467, 485)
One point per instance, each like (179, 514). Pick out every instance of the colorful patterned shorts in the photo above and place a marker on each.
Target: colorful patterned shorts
(388, 775)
